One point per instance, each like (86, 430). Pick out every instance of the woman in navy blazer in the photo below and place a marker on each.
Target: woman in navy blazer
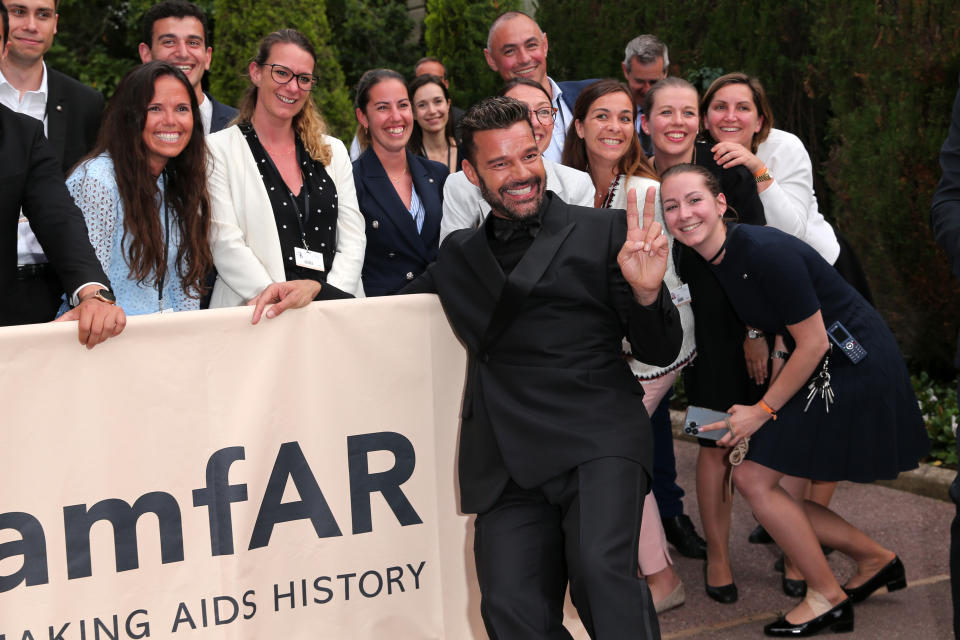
(400, 194)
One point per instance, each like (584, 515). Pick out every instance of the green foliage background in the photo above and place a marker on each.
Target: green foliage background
(455, 31)
(867, 85)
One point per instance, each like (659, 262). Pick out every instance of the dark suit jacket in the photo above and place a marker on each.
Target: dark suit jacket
(30, 176)
(222, 114)
(73, 117)
(547, 386)
(945, 208)
(396, 253)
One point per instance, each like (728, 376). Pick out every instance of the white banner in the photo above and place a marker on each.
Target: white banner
(201, 477)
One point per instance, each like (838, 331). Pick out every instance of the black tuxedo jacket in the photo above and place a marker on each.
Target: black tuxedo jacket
(222, 114)
(396, 252)
(945, 209)
(73, 118)
(547, 387)
(30, 177)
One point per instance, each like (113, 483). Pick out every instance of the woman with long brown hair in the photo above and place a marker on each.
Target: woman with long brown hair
(284, 204)
(603, 142)
(143, 193)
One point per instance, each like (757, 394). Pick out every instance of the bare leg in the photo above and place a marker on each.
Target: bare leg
(788, 525)
(715, 513)
(834, 531)
(821, 492)
(798, 488)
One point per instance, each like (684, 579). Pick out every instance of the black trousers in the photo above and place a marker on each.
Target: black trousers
(582, 526)
(37, 297)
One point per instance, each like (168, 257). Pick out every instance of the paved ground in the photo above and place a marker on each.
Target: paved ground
(915, 527)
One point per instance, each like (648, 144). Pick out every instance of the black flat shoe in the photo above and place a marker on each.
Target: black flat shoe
(684, 537)
(727, 594)
(794, 588)
(892, 576)
(839, 620)
(759, 535)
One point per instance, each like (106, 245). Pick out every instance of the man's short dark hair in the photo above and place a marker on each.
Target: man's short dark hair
(172, 9)
(6, 23)
(497, 112)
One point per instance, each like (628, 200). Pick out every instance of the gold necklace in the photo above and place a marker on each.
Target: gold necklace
(400, 177)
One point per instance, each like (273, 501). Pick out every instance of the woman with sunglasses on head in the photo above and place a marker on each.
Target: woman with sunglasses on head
(143, 193)
(284, 205)
(433, 134)
(603, 142)
(861, 423)
(463, 204)
(719, 377)
(400, 194)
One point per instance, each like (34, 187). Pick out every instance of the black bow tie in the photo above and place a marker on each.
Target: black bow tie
(505, 230)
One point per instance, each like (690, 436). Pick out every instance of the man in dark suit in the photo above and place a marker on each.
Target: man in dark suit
(31, 179)
(945, 221)
(176, 31)
(555, 445)
(70, 112)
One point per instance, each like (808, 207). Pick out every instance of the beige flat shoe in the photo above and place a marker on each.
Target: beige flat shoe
(676, 598)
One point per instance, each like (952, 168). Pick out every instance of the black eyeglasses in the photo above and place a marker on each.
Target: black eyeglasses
(546, 115)
(283, 75)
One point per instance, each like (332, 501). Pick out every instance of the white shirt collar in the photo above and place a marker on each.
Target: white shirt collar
(206, 115)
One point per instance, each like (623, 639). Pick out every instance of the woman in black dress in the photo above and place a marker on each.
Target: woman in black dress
(872, 430)
(721, 375)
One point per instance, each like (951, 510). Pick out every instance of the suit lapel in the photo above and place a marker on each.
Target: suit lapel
(391, 206)
(527, 273)
(427, 190)
(476, 251)
(57, 108)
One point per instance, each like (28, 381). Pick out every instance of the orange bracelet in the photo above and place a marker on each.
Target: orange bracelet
(768, 409)
(757, 174)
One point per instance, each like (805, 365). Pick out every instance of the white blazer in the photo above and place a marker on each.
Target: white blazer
(243, 235)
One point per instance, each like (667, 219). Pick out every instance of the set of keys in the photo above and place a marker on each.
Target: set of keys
(820, 385)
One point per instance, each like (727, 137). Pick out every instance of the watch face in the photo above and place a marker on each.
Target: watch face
(107, 296)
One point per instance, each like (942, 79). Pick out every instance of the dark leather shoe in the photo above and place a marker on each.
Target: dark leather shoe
(794, 588)
(893, 576)
(839, 620)
(759, 535)
(682, 535)
(727, 594)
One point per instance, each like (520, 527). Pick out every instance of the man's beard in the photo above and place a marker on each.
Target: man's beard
(499, 204)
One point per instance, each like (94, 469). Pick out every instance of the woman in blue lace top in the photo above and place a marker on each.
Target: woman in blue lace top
(143, 193)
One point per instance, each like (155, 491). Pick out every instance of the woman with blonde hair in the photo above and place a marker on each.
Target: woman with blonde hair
(284, 203)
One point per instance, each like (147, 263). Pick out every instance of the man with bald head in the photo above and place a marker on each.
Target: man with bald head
(517, 48)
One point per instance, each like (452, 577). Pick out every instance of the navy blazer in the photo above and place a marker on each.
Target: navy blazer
(73, 118)
(222, 114)
(396, 253)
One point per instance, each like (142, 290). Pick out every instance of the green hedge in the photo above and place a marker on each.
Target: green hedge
(868, 86)
(455, 31)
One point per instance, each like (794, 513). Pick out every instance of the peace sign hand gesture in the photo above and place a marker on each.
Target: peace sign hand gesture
(643, 257)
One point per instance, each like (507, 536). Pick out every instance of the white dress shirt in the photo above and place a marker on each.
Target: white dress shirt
(554, 152)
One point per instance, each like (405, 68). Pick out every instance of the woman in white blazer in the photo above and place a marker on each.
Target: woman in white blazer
(282, 192)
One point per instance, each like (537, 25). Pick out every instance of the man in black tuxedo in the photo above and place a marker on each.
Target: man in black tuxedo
(70, 112)
(175, 31)
(555, 444)
(31, 179)
(945, 221)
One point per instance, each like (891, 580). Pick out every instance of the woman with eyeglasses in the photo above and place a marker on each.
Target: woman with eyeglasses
(400, 194)
(603, 141)
(284, 205)
(433, 136)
